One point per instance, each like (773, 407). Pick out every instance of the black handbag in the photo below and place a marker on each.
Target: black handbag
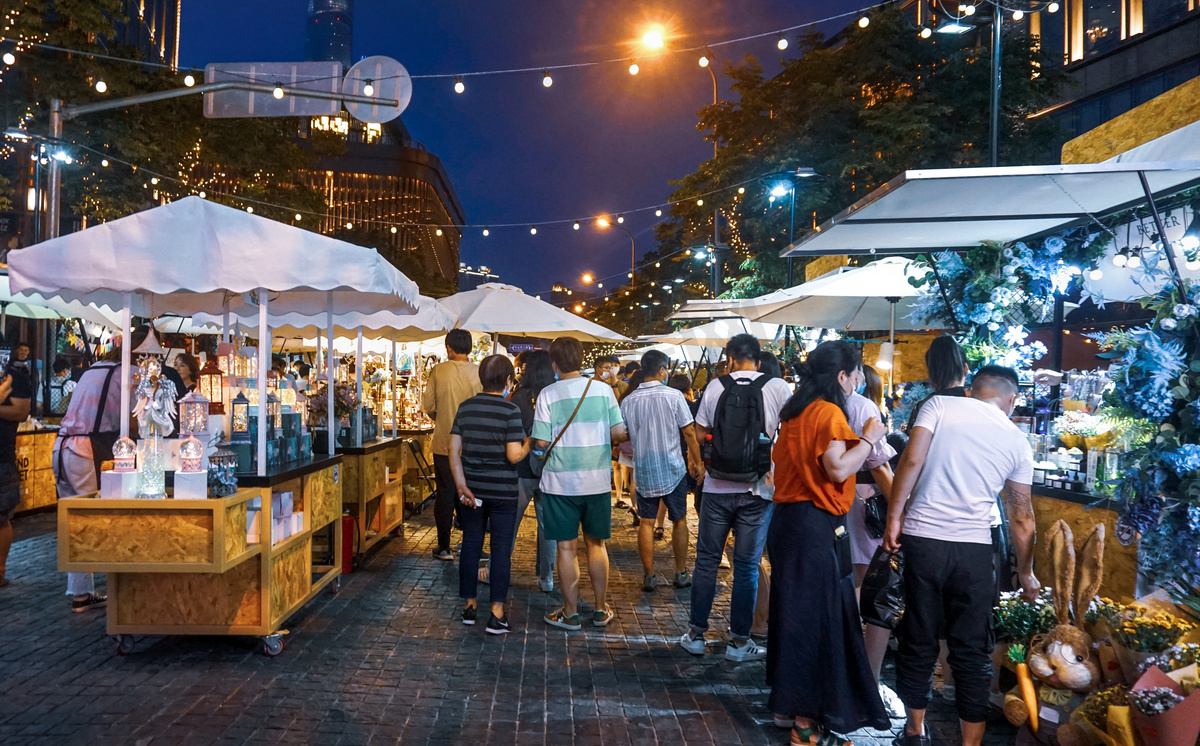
(881, 598)
(538, 458)
(875, 516)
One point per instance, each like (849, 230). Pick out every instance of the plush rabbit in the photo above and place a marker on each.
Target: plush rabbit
(1064, 661)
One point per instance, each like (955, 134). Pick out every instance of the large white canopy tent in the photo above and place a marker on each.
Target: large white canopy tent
(497, 308)
(194, 256)
(717, 333)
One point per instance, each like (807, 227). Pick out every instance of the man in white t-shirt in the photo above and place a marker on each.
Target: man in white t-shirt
(961, 453)
(743, 507)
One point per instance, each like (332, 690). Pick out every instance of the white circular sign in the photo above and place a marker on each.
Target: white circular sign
(380, 78)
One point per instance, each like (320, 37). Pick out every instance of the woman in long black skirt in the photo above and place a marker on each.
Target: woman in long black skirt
(816, 660)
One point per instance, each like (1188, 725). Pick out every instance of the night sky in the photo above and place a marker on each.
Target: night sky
(599, 140)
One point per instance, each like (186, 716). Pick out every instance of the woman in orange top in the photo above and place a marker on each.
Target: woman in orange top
(816, 660)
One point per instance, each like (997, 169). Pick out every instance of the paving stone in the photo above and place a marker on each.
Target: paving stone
(386, 661)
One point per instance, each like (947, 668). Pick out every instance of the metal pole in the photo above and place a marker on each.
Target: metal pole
(791, 233)
(393, 378)
(892, 339)
(997, 19)
(54, 182)
(264, 364)
(331, 421)
(126, 359)
(716, 253)
(225, 320)
(1162, 237)
(358, 430)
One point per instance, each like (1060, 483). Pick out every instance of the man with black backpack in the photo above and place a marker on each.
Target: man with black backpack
(736, 422)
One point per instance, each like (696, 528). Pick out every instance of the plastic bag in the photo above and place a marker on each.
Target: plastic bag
(875, 516)
(881, 598)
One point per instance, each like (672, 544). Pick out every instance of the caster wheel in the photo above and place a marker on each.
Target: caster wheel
(272, 646)
(124, 644)
(337, 584)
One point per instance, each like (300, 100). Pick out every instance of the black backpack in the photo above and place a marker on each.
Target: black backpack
(740, 450)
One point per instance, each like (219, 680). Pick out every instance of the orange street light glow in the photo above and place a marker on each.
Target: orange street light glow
(654, 37)
(587, 278)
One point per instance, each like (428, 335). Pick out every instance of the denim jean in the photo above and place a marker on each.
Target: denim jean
(499, 518)
(547, 549)
(748, 515)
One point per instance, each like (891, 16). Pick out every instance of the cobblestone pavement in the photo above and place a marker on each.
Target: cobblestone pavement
(386, 660)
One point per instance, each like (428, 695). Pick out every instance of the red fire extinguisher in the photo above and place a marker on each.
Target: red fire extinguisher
(349, 540)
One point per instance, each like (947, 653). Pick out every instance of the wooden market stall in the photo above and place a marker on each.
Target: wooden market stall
(36, 469)
(372, 490)
(193, 566)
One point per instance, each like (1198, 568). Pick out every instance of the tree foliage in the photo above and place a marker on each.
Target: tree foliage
(859, 109)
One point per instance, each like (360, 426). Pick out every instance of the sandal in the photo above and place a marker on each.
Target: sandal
(805, 736)
(658, 534)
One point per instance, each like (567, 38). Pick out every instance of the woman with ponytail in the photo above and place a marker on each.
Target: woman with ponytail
(821, 681)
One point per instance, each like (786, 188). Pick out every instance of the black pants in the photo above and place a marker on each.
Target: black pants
(947, 586)
(498, 518)
(446, 502)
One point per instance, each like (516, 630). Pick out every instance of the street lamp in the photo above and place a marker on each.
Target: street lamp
(786, 183)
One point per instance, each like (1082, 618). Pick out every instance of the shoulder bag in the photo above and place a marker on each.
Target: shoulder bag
(538, 459)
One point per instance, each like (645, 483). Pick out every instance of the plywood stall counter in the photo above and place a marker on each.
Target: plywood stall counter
(35, 467)
(372, 491)
(195, 566)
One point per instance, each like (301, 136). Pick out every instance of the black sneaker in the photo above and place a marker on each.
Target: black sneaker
(444, 555)
(905, 739)
(90, 601)
(497, 625)
(650, 583)
(468, 616)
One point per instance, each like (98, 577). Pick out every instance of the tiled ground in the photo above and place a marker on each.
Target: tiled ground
(384, 660)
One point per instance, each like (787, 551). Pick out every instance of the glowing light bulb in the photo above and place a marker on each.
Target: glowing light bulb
(1135, 261)
(104, 163)
(969, 10)
(1192, 264)
(926, 32)
(438, 231)
(700, 203)
(189, 81)
(349, 226)
(369, 89)
(1119, 260)
(782, 43)
(153, 179)
(393, 229)
(703, 61)
(741, 190)
(101, 86)
(547, 81)
(1018, 15)
(278, 92)
(633, 68)
(1096, 273)
(486, 232)
(459, 86)
(620, 218)
(533, 230)
(299, 216)
(653, 38)
(576, 225)
(10, 58)
(250, 210)
(864, 22)
(658, 213)
(1052, 7)
(202, 194)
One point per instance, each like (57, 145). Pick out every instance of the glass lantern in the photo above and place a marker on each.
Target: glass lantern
(124, 455)
(301, 408)
(250, 362)
(212, 385)
(191, 455)
(227, 359)
(193, 413)
(287, 397)
(274, 415)
(222, 472)
(240, 419)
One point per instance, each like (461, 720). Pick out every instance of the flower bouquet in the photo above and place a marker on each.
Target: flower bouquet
(345, 401)
(1104, 717)
(1162, 712)
(1074, 427)
(1139, 632)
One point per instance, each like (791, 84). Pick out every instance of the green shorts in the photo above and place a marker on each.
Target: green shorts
(562, 515)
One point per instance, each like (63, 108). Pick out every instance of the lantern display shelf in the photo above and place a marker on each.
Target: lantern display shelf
(375, 500)
(187, 567)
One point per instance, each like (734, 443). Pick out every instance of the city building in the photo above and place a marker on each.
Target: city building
(153, 27)
(329, 31)
(470, 278)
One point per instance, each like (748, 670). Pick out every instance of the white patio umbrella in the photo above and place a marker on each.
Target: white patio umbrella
(503, 309)
(194, 256)
(716, 333)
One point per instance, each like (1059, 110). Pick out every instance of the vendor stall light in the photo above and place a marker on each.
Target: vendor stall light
(101, 86)
(547, 81)
(887, 354)
(274, 415)
(10, 58)
(459, 86)
(212, 385)
(1134, 261)
(782, 43)
(189, 81)
(278, 92)
(1119, 260)
(226, 360)
(193, 413)
(700, 255)
(301, 408)
(953, 27)
(239, 424)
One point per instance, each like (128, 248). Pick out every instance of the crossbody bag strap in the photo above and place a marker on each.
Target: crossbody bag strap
(571, 418)
(103, 400)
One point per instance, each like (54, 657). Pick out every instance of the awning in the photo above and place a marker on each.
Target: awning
(958, 208)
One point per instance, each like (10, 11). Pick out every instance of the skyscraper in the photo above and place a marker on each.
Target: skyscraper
(153, 27)
(329, 34)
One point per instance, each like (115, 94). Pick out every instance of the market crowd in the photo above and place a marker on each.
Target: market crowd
(800, 485)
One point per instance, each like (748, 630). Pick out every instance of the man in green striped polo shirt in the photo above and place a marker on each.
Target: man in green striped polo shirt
(577, 479)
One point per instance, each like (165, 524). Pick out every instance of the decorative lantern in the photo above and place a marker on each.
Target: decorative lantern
(301, 408)
(274, 415)
(287, 397)
(240, 419)
(250, 361)
(252, 393)
(193, 413)
(222, 472)
(212, 385)
(124, 455)
(226, 360)
(191, 455)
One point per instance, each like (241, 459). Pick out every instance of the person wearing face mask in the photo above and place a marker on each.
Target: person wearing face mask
(487, 440)
(961, 453)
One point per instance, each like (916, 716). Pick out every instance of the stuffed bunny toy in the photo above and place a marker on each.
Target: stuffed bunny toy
(1064, 661)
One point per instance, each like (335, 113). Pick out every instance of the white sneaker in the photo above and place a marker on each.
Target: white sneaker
(891, 702)
(751, 651)
(547, 586)
(694, 645)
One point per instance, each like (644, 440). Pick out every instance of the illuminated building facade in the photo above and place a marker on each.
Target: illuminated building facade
(329, 31)
(153, 27)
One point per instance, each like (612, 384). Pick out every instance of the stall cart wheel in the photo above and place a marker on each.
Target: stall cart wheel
(337, 584)
(124, 644)
(272, 645)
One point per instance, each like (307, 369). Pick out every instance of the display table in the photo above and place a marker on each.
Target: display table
(36, 467)
(189, 566)
(1120, 562)
(372, 491)
(416, 468)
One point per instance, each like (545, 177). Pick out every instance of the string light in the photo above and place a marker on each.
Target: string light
(547, 81)
(438, 231)
(393, 229)
(189, 81)
(459, 86)
(864, 22)
(703, 60)
(533, 230)
(741, 190)
(278, 92)
(202, 194)
(576, 225)
(654, 38)
(299, 217)
(1018, 15)
(926, 32)
(369, 88)
(349, 226)
(486, 232)
(250, 210)
(633, 68)
(700, 203)
(620, 218)
(782, 43)
(101, 86)
(104, 163)
(658, 213)
(10, 58)
(1052, 7)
